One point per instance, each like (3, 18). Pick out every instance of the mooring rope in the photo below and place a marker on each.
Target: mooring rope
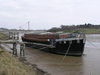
(67, 51)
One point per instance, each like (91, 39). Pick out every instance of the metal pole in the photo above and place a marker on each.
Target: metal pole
(28, 25)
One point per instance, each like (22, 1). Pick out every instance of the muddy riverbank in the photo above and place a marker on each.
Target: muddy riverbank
(88, 64)
(36, 69)
(8, 47)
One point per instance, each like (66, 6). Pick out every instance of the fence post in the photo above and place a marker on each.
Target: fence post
(15, 48)
(22, 49)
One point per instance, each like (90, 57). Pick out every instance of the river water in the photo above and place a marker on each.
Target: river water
(88, 64)
(55, 64)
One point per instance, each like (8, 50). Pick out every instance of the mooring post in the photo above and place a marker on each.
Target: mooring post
(15, 48)
(17, 35)
(10, 35)
(22, 49)
(14, 35)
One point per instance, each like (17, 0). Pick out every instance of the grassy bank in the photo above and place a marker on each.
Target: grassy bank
(3, 36)
(90, 31)
(10, 65)
(85, 30)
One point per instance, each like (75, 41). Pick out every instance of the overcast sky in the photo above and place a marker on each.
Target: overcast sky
(44, 14)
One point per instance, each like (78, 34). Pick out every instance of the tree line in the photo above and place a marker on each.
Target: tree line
(72, 28)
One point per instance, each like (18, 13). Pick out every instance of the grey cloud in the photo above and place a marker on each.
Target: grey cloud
(49, 13)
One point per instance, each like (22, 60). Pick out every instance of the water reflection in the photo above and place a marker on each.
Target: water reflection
(53, 63)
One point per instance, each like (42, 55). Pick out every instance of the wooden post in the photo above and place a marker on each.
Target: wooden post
(17, 35)
(10, 35)
(14, 36)
(15, 48)
(22, 49)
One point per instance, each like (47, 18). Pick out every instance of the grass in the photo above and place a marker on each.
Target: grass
(10, 65)
(90, 31)
(87, 30)
(3, 36)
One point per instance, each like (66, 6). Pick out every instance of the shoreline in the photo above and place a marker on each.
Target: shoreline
(37, 70)
(11, 65)
(21, 59)
(34, 67)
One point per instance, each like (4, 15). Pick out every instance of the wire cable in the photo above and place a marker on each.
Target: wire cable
(67, 51)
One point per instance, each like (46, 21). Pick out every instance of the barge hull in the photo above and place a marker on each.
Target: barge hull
(68, 47)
